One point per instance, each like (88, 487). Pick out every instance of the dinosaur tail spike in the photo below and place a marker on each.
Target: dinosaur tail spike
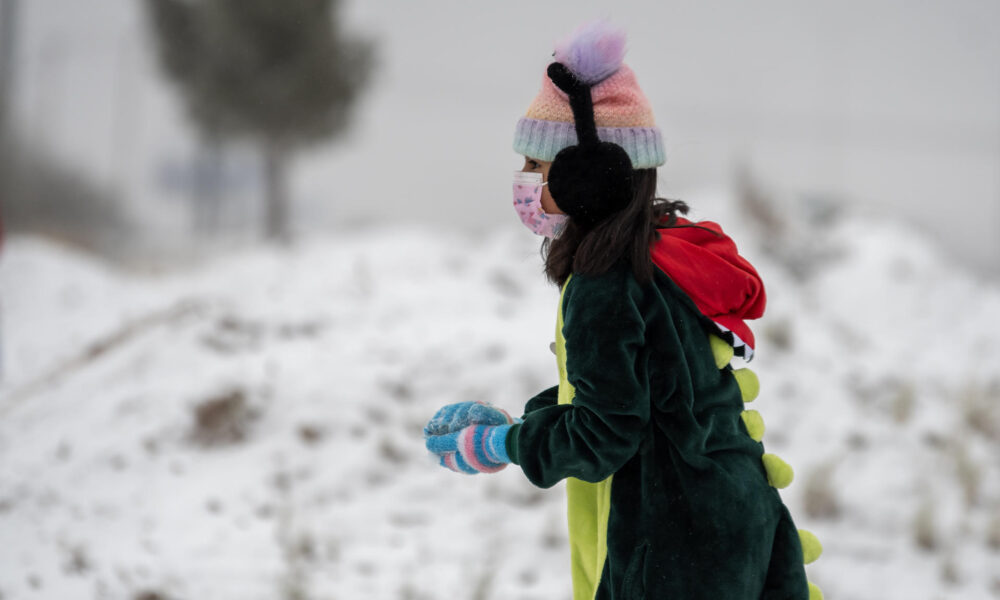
(814, 592)
(721, 351)
(748, 382)
(779, 473)
(811, 548)
(754, 424)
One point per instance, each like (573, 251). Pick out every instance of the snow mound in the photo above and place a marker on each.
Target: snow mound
(253, 428)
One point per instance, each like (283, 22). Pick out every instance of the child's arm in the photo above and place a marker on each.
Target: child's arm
(547, 397)
(601, 430)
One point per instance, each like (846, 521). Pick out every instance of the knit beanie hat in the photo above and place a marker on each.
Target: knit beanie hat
(594, 54)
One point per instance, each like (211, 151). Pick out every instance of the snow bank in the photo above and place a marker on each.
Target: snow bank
(252, 428)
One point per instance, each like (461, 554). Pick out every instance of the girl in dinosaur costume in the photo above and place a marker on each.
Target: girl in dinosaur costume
(670, 493)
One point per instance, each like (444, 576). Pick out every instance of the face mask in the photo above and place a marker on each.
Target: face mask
(528, 204)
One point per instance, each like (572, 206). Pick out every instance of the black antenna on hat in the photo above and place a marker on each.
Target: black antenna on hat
(580, 102)
(591, 179)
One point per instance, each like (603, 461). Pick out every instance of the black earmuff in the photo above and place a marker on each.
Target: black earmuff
(592, 179)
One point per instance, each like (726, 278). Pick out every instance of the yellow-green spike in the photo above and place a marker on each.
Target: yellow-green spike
(722, 351)
(814, 592)
(811, 548)
(754, 423)
(779, 473)
(748, 382)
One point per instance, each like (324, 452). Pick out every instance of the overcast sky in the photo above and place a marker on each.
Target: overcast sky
(893, 105)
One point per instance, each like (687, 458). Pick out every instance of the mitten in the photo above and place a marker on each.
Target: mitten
(454, 417)
(473, 449)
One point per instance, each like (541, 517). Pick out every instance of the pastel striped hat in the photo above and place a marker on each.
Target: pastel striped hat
(594, 54)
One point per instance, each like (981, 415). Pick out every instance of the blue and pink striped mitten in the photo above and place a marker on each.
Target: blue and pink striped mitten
(470, 437)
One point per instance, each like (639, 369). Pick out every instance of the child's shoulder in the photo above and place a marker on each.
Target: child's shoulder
(616, 282)
(611, 297)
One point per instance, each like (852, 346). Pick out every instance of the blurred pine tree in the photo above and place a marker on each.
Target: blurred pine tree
(282, 74)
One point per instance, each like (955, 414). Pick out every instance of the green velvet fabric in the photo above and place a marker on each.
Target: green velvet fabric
(547, 397)
(692, 514)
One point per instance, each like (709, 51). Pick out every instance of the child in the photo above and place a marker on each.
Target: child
(670, 493)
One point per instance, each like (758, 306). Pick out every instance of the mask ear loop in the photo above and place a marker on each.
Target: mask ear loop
(522, 173)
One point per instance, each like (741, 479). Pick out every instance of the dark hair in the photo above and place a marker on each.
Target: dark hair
(624, 236)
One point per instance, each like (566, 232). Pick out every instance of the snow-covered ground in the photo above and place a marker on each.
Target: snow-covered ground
(252, 428)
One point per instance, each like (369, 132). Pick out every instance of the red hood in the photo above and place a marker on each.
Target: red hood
(723, 285)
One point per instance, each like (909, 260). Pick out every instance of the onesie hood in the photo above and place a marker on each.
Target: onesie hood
(723, 285)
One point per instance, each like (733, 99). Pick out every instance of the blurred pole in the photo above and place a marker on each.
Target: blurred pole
(276, 223)
(8, 45)
(8, 29)
(125, 119)
(47, 92)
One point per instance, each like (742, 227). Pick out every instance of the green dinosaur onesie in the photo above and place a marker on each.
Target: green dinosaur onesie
(670, 493)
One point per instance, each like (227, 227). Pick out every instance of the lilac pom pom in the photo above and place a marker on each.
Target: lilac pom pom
(593, 52)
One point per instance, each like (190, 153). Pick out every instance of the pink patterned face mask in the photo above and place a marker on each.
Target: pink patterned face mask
(528, 204)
